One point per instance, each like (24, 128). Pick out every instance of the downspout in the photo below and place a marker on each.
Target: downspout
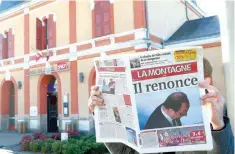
(147, 25)
(186, 9)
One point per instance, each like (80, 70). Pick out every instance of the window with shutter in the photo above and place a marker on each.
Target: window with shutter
(10, 43)
(102, 18)
(44, 34)
(107, 18)
(5, 47)
(51, 32)
(1, 46)
(38, 34)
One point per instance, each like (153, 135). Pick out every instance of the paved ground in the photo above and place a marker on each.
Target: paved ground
(9, 143)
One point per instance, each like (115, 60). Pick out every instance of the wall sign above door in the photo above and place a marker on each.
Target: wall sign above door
(59, 67)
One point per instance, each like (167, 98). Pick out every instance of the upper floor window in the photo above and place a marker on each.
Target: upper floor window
(7, 44)
(103, 18)
(45, 33)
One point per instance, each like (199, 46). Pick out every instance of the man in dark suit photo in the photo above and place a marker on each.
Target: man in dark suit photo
(169, 113)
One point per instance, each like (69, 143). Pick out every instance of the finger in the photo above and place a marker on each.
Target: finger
(97, 103)
(94, 88)
(205, 85)
(211, 101)
(209, 95)
(95, 93)
(98, 99)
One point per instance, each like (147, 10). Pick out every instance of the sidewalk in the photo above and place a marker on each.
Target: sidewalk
(9, 143)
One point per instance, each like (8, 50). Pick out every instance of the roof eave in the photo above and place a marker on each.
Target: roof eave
(195, 42)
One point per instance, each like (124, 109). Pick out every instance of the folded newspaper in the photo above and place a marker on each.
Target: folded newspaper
(152, 101)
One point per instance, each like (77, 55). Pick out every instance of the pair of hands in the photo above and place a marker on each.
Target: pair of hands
(213, 100)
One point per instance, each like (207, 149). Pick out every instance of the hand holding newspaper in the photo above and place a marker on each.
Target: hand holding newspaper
(152, 101)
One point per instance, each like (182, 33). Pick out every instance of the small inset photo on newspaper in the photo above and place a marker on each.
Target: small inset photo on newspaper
(127, 99)
(169, 108)
(181, 136)
(108, 85)
(135, 62)
(131, 135)
(116, 114)
(97, 63)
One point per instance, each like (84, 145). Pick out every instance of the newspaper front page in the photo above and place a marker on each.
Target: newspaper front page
(152, 101)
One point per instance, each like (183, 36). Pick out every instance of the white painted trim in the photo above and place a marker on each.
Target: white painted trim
(155, 45)
(193, 43)
(99, 50)
(24, 6)
(141, 46)
(45, 6)
(47, 16)
(26, 11)
(141, 34)
(13, 31)
(130, 32)
(12, 61)
(93, 50)
(112, 40)
(7, 75)
(43, 23)
(92, 4)
(93, 43)
(3, 34)
(111, 1)
(73, 53)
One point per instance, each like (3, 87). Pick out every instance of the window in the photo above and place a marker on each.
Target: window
(45, 33)
(102, 18)
(7, 44)
(10, 44)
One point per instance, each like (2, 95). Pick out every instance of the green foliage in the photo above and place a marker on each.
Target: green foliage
(47, 146)
(82, 144)
(36, 146)
(57, 146)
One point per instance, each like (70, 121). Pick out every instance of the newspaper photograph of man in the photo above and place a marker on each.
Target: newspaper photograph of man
(173, 108)
(108, 86)
(135, 63)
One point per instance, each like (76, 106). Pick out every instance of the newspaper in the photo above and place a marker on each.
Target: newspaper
(152, 101)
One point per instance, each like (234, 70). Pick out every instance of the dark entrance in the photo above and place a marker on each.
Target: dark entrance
(52, 112)
(52, 105)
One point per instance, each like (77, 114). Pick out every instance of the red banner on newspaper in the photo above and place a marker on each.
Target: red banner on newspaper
(164, 71)
(111, 69)
(197, 136)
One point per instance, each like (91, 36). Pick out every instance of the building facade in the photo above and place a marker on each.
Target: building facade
(47, 50)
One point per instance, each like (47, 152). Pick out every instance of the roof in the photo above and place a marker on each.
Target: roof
(6, 4)
(194, 30)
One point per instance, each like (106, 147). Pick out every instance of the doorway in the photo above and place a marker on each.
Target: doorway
(52, 105)
(52, 114)
(8, 104)
(48, 103)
